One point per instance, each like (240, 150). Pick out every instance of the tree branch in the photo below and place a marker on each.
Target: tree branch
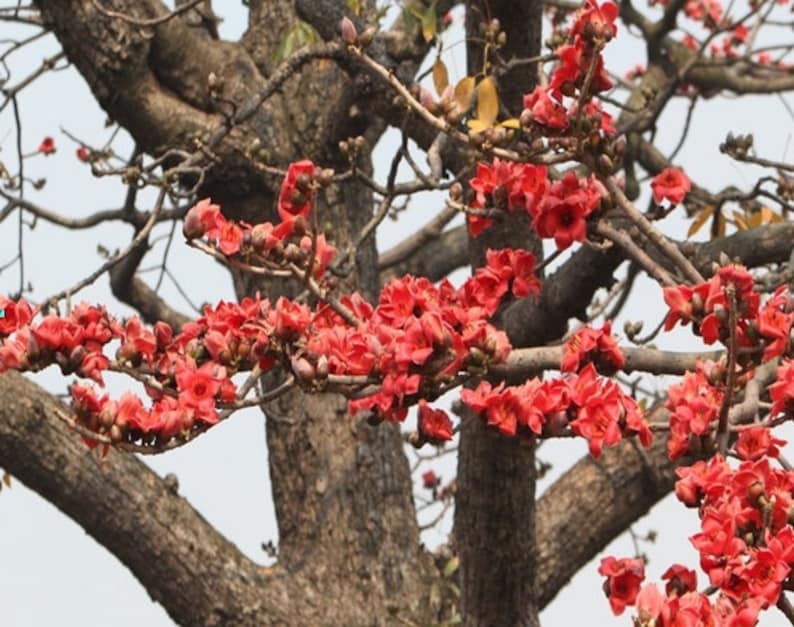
(196, 574)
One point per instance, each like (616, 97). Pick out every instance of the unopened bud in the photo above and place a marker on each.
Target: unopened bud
(116, 434)
(348, 30)
(302, 368)
(367, 36)
(322, 367)
(324, 177)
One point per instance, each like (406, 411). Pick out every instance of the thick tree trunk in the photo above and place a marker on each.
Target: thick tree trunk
(495, 503)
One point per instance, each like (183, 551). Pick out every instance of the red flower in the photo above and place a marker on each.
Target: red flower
(517, 267)
(597, 420)
(756, 442)
(545, 110)
(680, 580)
(434, 424)
(600, 21)
(13, 315)
(624, 577)
(83, 154)
(230, 238)
(429, 480)
(782, 390)
(650, 603)
(563, 212)
(589, 344)
(684, 303)
(197, 386)
(295, 198)
(47, 146)
(670, 184)
(201, 218)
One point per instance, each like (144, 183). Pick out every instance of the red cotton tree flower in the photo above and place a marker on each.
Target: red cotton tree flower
(537, 258)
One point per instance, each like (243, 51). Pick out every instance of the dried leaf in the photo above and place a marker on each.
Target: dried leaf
(740, 222)
(477, 125)
(464, 90)
(768, 216)
(487, 101)
(440, 76)
(511, 123)
(430, 23)
(700, 219)
(7, 479)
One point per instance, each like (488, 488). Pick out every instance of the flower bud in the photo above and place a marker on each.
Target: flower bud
(348, 30)
(302, 368)
(116, 434)
(322, 367)
(192, 227)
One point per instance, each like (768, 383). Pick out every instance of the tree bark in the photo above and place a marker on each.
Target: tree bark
(494, 528)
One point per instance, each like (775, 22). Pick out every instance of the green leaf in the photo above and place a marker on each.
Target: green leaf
(430, 23)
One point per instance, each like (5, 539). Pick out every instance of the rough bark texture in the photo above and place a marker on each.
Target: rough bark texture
(495, 504)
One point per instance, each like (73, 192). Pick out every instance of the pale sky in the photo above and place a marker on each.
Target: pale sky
(52, 572)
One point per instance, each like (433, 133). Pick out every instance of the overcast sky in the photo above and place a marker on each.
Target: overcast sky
(53, 573)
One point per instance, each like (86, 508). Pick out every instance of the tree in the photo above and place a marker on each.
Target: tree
(261, 148)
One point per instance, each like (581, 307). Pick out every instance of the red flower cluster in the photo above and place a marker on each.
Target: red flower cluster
(594, 408)
(267, 243)
(709, 302)
(505, 186)
(746, 542)
(558, 210)
(563, 212)
(422, 335)
(581, 68)
(591, 345)
(694, 407)
(417, 339)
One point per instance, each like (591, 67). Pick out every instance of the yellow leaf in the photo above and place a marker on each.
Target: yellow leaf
(487, 101)
(754, 220)
(429, 23)
(7, 479)
(355, 6)
(511, 123)
(767, 216)
(464, 90)
(740, 222)
(700, 220)
(440, 76)
(477, 125)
